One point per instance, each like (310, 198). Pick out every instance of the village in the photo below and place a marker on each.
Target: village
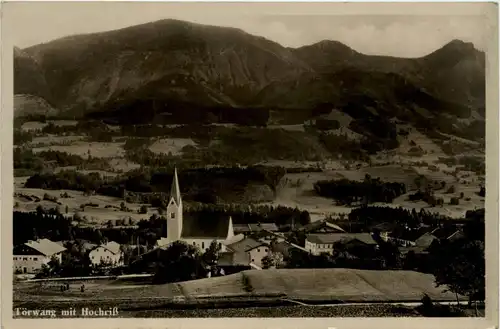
(237, 247)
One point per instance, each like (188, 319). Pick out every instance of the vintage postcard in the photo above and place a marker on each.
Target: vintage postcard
(249, 165)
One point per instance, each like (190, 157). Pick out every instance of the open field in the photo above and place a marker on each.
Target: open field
(36, 125)
(98, 215)
(53, 140)
(335, 285)
(170, 145)
(295, 189)
(95, 149)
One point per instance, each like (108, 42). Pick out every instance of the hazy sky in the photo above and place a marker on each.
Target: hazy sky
(406, 32)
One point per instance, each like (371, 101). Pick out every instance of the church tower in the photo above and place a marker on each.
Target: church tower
(174, 211)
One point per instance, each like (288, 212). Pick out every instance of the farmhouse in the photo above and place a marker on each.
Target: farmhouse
(193, 230)
(324, 243)
(250, 248)
(30, 256)
(108, 253)
(322, 226)
(406, 237)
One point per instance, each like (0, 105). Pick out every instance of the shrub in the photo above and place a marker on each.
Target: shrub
(451, 189)
(247, 286)
(143, 209)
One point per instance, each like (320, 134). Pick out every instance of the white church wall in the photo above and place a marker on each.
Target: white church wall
(204, 244)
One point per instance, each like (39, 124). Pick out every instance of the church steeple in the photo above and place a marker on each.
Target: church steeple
(174, 211)
(175, 192)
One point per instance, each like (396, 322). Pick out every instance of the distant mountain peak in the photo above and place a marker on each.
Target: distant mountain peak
(457, 45)
(330, 46)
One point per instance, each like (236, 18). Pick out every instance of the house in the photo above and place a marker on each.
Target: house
(285, 248)
(384, 229)
(425, 240)
(193, 230)
(30, 256)
(406, 237)
(233, 262)
(324, 243)
(322, 226)
(109, 253)
(255, 249)
(448, 233)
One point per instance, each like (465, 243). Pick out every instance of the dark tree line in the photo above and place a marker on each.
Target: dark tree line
(368, 191)
(373, 215)
(199, 184)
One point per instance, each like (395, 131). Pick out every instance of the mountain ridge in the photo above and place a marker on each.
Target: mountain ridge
(193, 65)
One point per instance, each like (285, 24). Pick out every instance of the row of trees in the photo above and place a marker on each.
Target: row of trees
(370, 190)
(372, 215)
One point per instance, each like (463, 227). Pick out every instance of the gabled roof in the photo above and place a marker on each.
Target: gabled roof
(384, 227)
(425, 240)
(263, 226)
(245, 245)
(445, 232)
(112, 246)
(318, 225)
(45, 246)
(201, 227)
(408, 234)
(337, 237)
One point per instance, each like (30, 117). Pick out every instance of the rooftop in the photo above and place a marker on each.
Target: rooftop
(337, 237)
(45, 246)
(321, 225)
(255, 227)
(245, 245)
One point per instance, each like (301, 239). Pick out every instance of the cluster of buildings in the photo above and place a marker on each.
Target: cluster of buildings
(241, 246)
(29, 257)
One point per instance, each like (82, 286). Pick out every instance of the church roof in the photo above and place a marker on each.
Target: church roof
(175, 191)
(204, 227)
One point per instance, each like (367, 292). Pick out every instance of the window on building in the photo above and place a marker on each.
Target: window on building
(172, 215)
(267, 250)
(203, 244)
(258, 250)
(25, 258)
(220, 245)
(194, 243)
(15, 258)
(35, 258)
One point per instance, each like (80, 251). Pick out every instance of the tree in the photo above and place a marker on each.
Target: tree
(179, 262)
(77, 217)
(460, 265)
(143, 209)
(211, 256)
(273, 260)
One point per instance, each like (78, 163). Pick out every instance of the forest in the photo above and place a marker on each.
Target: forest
(197, 184)
(368, 191)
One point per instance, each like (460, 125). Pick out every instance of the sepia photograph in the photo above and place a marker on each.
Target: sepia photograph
(180, 161)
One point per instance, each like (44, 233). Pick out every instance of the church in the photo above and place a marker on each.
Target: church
(191, 229)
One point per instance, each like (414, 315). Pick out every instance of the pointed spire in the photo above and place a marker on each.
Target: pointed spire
(175, 191)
